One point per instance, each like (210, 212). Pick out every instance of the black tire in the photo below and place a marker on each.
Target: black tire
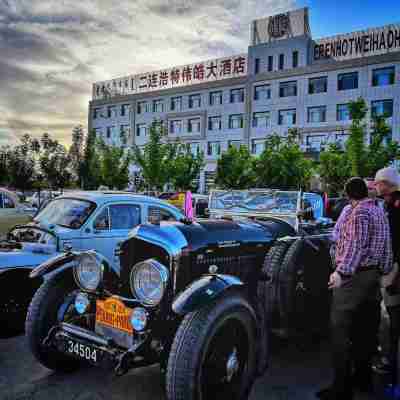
(42, 316)
(304, 297)
(16, 292)
(268, 291)
(205, 342)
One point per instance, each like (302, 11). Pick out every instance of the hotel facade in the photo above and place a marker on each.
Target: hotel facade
(286, 80)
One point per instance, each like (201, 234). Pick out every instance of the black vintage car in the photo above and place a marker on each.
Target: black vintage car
(200, 298)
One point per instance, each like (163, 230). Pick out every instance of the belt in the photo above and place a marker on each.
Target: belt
(368, 268)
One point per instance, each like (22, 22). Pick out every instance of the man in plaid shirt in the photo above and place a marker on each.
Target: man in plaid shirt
(363, 252)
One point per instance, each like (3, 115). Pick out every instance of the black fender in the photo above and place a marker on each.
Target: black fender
(58, 263)
(203, 291)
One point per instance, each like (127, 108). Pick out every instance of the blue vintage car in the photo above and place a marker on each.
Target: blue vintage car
(77, 221)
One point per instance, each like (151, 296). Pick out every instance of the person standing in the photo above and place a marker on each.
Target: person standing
(363, 251)
(387, 183)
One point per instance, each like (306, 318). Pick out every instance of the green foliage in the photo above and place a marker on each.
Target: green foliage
(76, 153)
(283, 165)
(334, 169)
(90, 168)
(114, 166)
(54, 163)
(235, 169)
(185, 168)
(156, 160)
(355, 145)
(4, 173)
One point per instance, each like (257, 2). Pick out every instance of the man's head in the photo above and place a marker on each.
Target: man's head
(356, 189)
(387, 180)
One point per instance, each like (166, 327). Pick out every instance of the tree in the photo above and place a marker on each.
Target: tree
(4, 172)
(114, 166)
(55, 163)
(76, 152)
(355, 145)
(186, 168)
(282, 164)
(90, 169)
(381, 150)
(235, 169)
(334, 169)
(156, 160)
(21, 164)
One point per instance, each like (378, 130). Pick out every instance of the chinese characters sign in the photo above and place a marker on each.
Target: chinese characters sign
(209, 71)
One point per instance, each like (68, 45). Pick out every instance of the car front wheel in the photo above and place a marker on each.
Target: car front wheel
(213, 355)
(50, 305)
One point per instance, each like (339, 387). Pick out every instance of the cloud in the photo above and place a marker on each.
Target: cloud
(53, 50)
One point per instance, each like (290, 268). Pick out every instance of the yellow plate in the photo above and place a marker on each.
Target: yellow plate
(113, 313)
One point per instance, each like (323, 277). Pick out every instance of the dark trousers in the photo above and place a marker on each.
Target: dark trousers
(394, 317)
(355, 322)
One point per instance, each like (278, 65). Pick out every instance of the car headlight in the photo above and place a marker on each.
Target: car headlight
(148, 281)
(88, 272)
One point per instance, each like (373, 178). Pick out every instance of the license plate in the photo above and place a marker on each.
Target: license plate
(113, 313)
(82, 351)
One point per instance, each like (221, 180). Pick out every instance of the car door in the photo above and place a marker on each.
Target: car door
(111, 225)
(10, 214)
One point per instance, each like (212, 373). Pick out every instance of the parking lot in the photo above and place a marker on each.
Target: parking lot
(293, 374)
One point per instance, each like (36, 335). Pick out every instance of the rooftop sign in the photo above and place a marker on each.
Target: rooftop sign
(208, 71)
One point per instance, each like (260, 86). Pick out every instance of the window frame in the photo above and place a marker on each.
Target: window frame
(142, 106)
(281, 63)
(285, 85)
(238, 94)
(196, 96)
(232, 118)
(318, 78)
(268, 120)
(383, 101)
(211, 98)
(125, 110)
(211, 119)
(309, 109)
(256, 141)
(280, 116)
(209, 147)
(258, 98)
(173, 105)
(295, 59)
(158, 102)
(138, 132)
(337, 111)
(127, 205)
(392, 76)
(343, 75)
(190, 128)
(270, 63)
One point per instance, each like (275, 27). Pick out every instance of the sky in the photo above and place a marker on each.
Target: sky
(51, 51)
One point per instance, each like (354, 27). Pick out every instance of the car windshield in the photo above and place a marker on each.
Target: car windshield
(271, 201)
(70, 213)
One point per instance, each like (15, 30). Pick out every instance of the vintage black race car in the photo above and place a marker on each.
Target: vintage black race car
(200, 298)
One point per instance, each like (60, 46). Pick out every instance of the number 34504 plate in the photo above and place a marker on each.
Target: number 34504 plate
(82, 351)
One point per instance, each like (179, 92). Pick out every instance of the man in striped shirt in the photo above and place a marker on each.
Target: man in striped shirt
(363, 252)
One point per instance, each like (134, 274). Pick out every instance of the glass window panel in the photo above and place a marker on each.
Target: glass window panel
(124, 216)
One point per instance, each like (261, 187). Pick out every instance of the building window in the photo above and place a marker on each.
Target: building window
(318, 85)
(287, 117)
(214, 123)
(175, 126)
(158, 106)
(97, 113)
(215, 98)
(236, 121)
(256, 66)
(341, 139)
(213, 148)
(194, 148)
(261, 119)
(315, 142)
(176, 103)
(270, 63)
(234, 143)
(112, 111)
(287, 89)
(281, 61)
(194, 125)
(257, 146)
(237, 95)
(141, 130)
(111, 132)
(316, 114)
(383, 76)
(295, 59)
(142, 107)
(348, 81)
(382, 108)
(342, 112)
(262, 92)
(124, 110)
(194, 101)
